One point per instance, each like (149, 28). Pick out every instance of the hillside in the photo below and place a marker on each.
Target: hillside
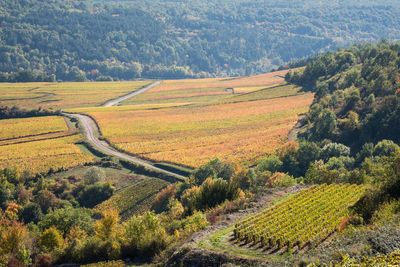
(349, 136)
(103, 40)
(203, 172)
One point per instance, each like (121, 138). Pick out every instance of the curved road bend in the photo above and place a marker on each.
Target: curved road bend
(116, 101)
(89, 127)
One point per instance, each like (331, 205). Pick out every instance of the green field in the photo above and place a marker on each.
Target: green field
(306, 219)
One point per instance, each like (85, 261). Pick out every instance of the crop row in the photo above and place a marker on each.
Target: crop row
(306, 218)
(134, 198)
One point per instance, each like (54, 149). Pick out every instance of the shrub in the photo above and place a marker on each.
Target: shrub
(47, 200)
(31, 213)
(279, 179)
(145, 235)
(51, 239)
(94, 194)
(211, 193)
(214, 169)
(94, 175)
(271, 163)
(160, 204)
(342, 162)
(385, 148)
(65, 219)
(334, 150)
(242, 179)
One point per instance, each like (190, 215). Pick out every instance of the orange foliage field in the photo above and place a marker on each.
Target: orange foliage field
(205, 90)
(38, 144)
(192, 135)
(64, 95)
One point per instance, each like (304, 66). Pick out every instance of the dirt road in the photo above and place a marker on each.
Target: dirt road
(90, 128)
(92, 132)
(116, 101)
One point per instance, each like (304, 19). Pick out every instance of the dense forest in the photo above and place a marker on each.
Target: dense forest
(105, 40)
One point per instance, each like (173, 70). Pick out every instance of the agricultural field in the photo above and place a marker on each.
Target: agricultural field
(38, 144)
(206, 90)
(305, 219)
(64, 95)
(13, 128)
(192, 135)
(135, 198)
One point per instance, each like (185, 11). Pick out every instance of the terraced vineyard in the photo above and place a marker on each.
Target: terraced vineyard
(134, 198)
(307, 218)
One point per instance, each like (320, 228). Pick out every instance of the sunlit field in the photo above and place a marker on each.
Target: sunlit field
(206, 90)
(38, 144)
(64, 95)
(192, 135)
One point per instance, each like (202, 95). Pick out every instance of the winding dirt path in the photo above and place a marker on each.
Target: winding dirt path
(91, 131)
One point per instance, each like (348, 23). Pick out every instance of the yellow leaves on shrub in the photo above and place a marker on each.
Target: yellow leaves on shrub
(13, 237)
(288, 147)
(108, 227)
(51, 239)
(12, 211)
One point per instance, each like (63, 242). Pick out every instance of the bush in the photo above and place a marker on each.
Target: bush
(31, 213)
(242, 179)
(279, 179)
(334, 150)
(160, 204)
(65, 219)
(50, 239)
(94, 175)
(386, 148)
(342, 162)
(271, 163)
(211, 193)
(94, 194)
(214, 169)
(144, 235)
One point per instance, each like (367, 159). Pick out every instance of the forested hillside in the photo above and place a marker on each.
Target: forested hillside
(103, 40)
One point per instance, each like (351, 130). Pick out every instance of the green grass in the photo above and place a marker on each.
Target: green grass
(119, 178)
(85, 150)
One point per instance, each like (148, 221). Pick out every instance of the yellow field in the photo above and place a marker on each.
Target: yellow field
(126, 108)
(186, 122)
(38, 137)
(205, 90)
(13, 128)
(239, 132)
(40, 156)
(276, 91)
(38, 144)
(64, 95)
